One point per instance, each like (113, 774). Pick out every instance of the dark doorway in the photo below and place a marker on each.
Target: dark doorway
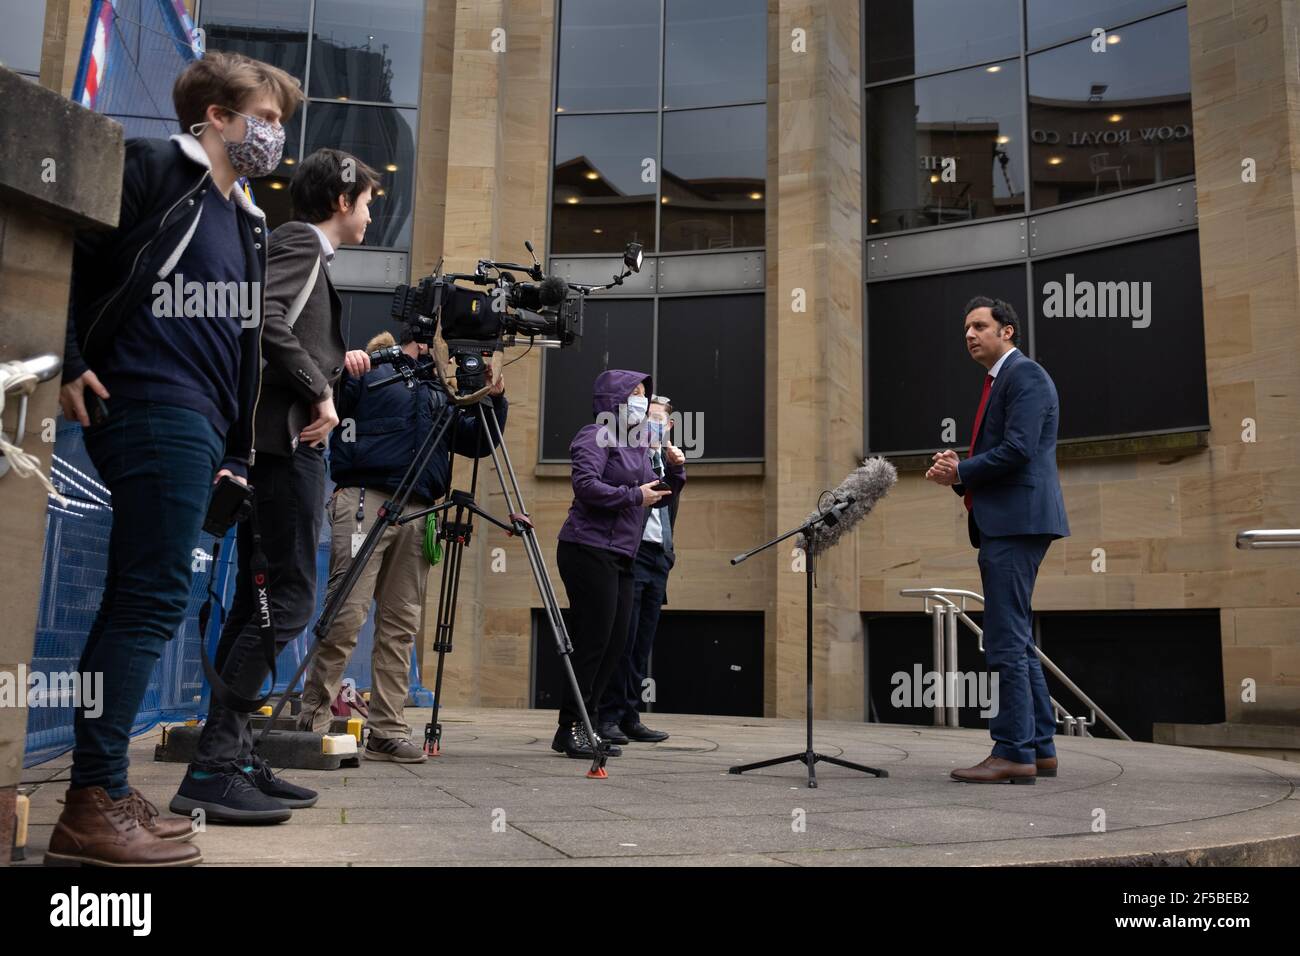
(703, 663)
(1164, 666)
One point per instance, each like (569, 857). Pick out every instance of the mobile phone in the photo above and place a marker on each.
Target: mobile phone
(661, 486)
(96, 409)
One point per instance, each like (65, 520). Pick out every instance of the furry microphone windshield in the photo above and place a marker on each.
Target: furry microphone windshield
(855, 497)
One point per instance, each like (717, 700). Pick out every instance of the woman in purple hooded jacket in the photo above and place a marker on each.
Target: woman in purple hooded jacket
(613, 485)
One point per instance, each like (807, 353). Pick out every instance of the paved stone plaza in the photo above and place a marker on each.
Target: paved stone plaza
(499, 795)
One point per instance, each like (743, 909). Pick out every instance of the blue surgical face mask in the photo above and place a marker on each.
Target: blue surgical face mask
(637, 406)
(656, 430)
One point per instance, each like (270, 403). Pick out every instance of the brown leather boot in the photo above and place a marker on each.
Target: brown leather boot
(996, 770)
(1046, 766)
(179, 829)
(97, 830)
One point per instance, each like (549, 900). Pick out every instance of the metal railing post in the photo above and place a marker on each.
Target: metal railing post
(1266, 539)
(950, 675)
(937, 614)
(945, 650)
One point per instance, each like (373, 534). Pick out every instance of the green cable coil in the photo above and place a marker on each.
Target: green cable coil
(432, 546)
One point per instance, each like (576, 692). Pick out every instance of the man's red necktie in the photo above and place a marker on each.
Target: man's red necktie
(979, 418)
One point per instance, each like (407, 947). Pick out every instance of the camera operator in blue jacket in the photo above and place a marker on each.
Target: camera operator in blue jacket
(380, 434)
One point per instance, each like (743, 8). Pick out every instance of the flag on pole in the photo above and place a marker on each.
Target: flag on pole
(97, 66)
(187, 26)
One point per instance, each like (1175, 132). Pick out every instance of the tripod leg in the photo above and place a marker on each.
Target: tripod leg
(789, 758)
(852, 766)
(442, 642)
(564, 645)
(386, 519)
(288, 692)
(457, 535)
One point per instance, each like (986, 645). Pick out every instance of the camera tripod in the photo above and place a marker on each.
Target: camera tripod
(456, 532)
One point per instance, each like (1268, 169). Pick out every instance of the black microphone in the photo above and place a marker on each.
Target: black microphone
(534, 297)
(855, 497)
(536, 270)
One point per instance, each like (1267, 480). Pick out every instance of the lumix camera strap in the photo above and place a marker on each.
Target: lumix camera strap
(227, 509)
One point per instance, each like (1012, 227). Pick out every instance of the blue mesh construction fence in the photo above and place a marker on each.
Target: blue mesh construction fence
(76, 549)
(130, 58)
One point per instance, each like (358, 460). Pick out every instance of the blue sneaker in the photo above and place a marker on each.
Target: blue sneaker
(227, 796)
(290, 794)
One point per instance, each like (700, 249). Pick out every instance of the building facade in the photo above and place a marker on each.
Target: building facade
(819, 186)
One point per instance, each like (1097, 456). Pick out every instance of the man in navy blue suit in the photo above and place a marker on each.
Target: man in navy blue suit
(1014, 510)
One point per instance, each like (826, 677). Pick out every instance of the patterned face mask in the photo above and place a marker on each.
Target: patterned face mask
(260, 152)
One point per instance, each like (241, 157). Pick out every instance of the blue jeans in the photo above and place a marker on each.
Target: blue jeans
(1024, 725)
(158, 461)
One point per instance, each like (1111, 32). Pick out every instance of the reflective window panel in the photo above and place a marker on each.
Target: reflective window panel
(22, 36)
(609, 55)
(616, 333)
(945, 149)
(1053, 21)
(923, 36)
(384, 138)
(919, 373)
(365, 315)
(1104, 122)
(273, 31)
(715, 164)
(604, 183)
(711, 354)
(1129, 316)
(367, 50)
(715, 53)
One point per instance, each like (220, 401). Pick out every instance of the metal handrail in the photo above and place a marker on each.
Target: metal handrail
(43, 367)
(941, 594)
(1264, 539)
(946, 607)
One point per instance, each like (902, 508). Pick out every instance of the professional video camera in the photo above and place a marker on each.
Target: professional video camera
(475, 326)
(546, 311)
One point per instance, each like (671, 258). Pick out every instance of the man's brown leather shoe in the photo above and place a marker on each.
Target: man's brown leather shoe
(996, 770)
(179, 829)
(1046, 766)
(98, 830)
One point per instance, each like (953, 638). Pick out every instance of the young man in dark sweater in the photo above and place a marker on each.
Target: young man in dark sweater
(162, 370)
(303, 346)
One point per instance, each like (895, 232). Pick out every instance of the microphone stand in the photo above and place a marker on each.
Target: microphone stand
(810, 757)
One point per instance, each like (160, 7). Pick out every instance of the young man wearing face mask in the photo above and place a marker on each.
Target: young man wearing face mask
(303, 346)
(165, 388)
(619, 719)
